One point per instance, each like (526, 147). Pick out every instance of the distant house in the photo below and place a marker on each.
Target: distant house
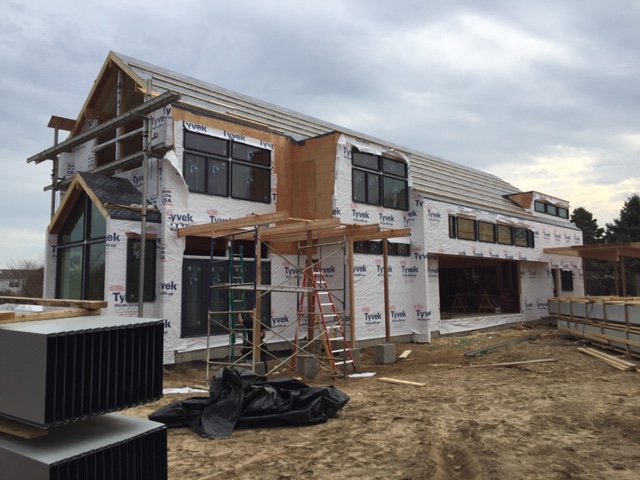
(419, 245)
(10, 281)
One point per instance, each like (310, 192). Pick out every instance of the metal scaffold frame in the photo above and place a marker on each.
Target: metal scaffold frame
(258, 349)
(278, 229)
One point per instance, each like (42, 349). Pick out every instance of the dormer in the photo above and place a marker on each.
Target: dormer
(540, 204)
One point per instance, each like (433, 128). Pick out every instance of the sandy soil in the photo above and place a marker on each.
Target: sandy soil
(576, 418)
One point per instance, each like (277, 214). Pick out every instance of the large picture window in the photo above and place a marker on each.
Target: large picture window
(81, 253)
(378, 180)
(225, 168)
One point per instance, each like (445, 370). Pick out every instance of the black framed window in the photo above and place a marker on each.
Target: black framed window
(452, 226)
(566, 280)
(505, 234)
(487, 232)
(466, 228)
(198, 298)
(549, 209)
(378, 180)
(375, 248)
(225, 168)
(134, 252)
(81, 253)
(520, 237)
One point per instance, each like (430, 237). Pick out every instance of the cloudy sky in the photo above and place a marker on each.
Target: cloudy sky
(544, 94)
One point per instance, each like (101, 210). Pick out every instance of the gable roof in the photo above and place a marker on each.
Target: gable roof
(432, 177)
(114, 197)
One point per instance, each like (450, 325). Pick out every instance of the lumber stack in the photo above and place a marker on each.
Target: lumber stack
(615, 362)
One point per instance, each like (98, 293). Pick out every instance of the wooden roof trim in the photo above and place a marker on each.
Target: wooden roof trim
(111, 60)
(67, 204)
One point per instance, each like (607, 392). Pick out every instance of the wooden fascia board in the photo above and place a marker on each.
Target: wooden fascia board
(112, 59)
(209, 229)
(67, 203)
(77, 186)
(105, 66)
(93, 198)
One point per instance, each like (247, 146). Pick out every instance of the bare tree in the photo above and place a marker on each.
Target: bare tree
(30, 275)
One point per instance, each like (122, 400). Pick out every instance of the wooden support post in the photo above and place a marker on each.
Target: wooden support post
(352, 296)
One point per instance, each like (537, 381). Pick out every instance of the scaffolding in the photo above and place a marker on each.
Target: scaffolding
(312, 238)
(317, 330)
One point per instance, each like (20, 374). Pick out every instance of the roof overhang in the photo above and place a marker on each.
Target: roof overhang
(599, 251)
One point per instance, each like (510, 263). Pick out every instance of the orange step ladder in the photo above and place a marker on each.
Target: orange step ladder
(330, 328)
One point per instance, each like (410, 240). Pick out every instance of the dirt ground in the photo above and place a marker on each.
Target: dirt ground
(575, 418)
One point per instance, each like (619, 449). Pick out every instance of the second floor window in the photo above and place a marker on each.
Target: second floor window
(225, 168)
(378, 180)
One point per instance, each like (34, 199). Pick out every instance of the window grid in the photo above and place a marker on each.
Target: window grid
(476, 230)
(226, 168)
(378, 180)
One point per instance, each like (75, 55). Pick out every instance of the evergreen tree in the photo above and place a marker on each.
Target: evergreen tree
(626, 228)
(583, 219)
(599, 278)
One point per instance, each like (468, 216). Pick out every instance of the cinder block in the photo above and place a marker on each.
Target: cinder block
(308, 366)
(385, 353)
(260, 369)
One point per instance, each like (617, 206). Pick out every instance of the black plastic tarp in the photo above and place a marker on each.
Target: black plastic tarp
(238, 398)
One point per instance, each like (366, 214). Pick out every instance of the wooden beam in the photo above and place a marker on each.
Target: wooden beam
(56, 302)
(381, 235)
(7, 315)
(61, 123)
(284, 232)
(52, 315)
(249, 221)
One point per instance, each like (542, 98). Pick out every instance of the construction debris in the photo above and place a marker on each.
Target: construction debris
(401, 382)
(512, 364)
(404, 355)
(492, 348)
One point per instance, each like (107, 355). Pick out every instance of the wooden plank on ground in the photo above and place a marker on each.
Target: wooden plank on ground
(18, 429)
(401, 382)
(492, 348)
(404, 354)
(512, 364)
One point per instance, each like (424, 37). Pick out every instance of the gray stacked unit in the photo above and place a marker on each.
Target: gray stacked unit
(59, 374)
(58, 371)
(108, 447)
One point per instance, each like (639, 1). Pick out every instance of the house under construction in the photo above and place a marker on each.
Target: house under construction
(177, 199)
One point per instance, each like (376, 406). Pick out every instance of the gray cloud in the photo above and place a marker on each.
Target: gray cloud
(531, 91)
